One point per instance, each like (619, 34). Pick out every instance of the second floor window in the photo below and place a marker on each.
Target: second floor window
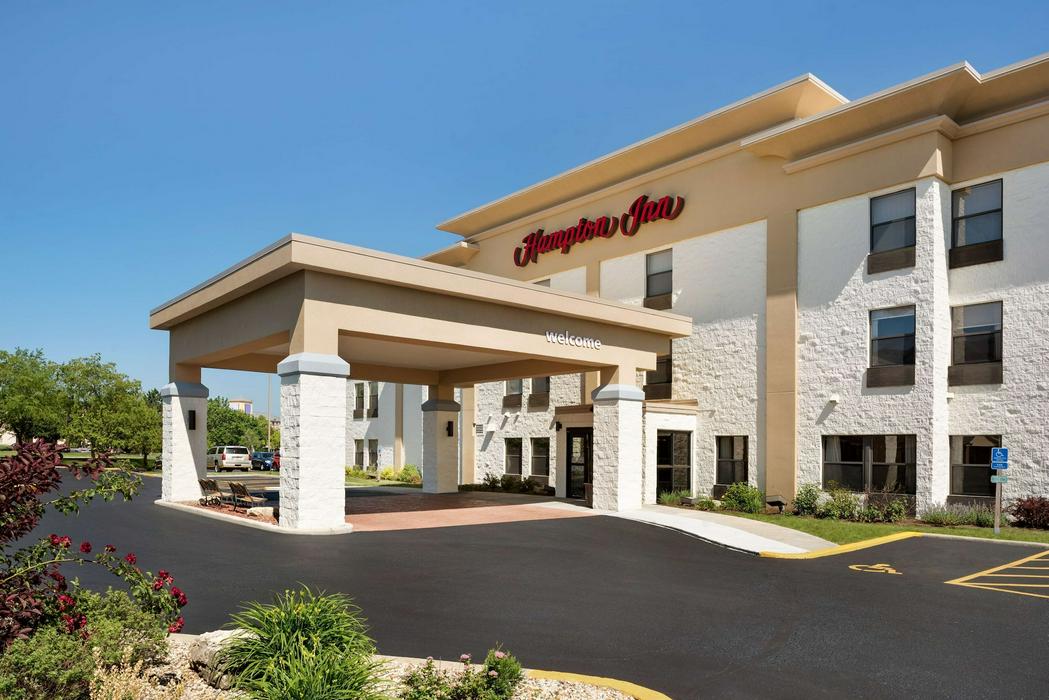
(373, 399)
(977, 215)
(540, 385)
(514, 387)
(892, 337)
(892, 221)
(976, 333)
(658, 381)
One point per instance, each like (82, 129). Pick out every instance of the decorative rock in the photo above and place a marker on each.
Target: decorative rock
(203, 657)
(261, 512)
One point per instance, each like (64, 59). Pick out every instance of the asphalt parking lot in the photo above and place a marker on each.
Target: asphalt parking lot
(611, 597)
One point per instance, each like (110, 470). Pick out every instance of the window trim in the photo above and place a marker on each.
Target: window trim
(872, 338)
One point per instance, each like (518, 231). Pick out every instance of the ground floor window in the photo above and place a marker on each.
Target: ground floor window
(673, 461)
(358, 453)
(971, 464)
(373, 453)
(540, 459)
(513, 456)
(732, 459)
(882, 463)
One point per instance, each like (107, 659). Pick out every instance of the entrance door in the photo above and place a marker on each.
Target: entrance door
(578, 460)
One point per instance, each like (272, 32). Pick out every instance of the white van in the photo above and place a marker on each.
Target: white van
(229, 457)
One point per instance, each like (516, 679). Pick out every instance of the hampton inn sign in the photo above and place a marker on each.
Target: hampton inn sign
(642, 211)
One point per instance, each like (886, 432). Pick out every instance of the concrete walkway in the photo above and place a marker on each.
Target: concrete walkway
(741, 534)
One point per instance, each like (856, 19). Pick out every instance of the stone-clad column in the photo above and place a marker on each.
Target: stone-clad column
(185, 444)
(440, 450)
(618, 454)
(313, 441)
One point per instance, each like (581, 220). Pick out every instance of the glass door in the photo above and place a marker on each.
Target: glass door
(578, 456)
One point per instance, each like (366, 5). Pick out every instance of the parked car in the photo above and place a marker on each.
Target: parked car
(229, 457)
(262, 460)
(276, 459)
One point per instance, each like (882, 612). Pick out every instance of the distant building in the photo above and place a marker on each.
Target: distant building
(242, 405)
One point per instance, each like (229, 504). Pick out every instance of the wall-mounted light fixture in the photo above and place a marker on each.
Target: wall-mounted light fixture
(191, 420)
(450, 428)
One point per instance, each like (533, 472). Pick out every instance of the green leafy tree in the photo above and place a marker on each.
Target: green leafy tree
(30, 399)
(227, 426)
(98, 402)
(142, 428)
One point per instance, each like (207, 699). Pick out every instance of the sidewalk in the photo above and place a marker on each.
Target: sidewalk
(751, 536)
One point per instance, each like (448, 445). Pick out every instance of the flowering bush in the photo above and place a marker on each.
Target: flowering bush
(33, 589)
(496, 679)
(1031, 511)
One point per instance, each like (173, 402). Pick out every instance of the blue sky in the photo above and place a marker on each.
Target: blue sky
(146, 146)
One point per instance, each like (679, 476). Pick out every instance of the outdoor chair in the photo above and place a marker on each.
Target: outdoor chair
(242, 498)
(213, 495)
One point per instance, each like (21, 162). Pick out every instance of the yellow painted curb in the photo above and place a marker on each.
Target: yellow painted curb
(631, 689)
(843, 548)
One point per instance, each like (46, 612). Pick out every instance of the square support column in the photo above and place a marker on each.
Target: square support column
(440, 450)
(313, 441)
(185, 440)
(618, 455)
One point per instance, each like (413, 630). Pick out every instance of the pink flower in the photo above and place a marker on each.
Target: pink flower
(158, 584)
(130, 558)
(500, 655)
(56, 541)
(66, 602)
(85, 547)
(465, 658)
(493, 673)
(177, 625)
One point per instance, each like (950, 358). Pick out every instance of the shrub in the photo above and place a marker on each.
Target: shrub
(356, 473)
(895, 510)
(980, 516)
(502, 673)
(807, 502)
(868, 514)
(126, 680)
(496, 679)
(492, 481)
(673, 498)
(510, 482)
(943, 515)
(305, 646)
(1031, 511)
(426, 682)
(388, 474)
(410, 475)
(744, 498)
(705, 504)
(55, 663)
(843, 505)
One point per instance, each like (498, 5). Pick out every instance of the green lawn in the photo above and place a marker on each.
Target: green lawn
(844, 532)
(357, 481)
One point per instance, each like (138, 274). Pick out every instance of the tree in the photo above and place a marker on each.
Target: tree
(141, 431)
(229, 427)
(30, 399)
(98, 402)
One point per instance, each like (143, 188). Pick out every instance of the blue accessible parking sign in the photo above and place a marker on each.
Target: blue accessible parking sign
(999, 458)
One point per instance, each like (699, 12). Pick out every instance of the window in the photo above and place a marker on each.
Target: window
(373, 399)
(878, 463)
(659, 279)
(373, 453)
(892, 232)
(976, 225)
(673, 461)
(512, 398)
(358, 400)
(892, 336)
(513, 456)
(892, 221)
(971, 464)
(540, 459)
(976, 333)
(539, 397)
(358, 453)
(976, 345)
(732, 459)
(658, 381)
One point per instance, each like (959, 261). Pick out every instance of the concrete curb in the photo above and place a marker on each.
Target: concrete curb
(244, 522)
(895, 537)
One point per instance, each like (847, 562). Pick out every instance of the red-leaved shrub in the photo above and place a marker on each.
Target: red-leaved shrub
(1031, 511)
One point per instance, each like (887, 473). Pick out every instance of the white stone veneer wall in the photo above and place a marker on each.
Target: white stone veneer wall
(1018, 408)
(835, 297)
(381, 428)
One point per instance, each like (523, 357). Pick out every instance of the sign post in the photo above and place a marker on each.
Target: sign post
(999, 463)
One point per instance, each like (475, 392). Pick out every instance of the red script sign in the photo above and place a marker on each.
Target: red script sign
(642, 211)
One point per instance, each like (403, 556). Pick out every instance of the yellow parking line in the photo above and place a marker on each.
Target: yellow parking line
(996, 569)
(1017, 575)
(981, 579)
(1002, 590)
(842, 548)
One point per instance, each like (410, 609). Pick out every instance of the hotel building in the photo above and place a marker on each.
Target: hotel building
(795, 288)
